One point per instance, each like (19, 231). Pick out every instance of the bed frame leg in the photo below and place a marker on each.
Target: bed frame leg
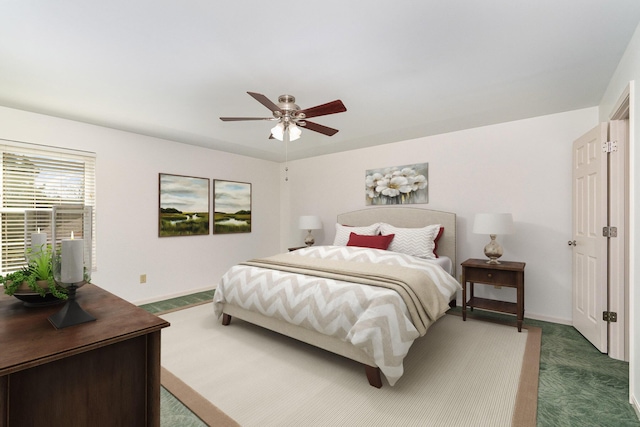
(373, 375)
(226, 319)
(453, 303)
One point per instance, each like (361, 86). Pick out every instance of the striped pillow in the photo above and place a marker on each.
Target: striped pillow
(344, 231)
(418, 242)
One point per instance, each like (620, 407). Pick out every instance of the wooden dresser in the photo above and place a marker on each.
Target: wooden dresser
(101, 373)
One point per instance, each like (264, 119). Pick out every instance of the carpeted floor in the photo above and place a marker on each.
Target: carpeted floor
(578, 385)
(459, 374)
(174, 413)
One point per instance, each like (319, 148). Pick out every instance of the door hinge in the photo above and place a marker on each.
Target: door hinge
(609, 146)
(610, 316)
(610, 231)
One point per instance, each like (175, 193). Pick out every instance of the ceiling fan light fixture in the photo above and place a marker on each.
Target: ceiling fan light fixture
(294, 132)
(278, 131)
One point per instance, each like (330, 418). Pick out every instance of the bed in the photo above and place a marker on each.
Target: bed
(390, 312)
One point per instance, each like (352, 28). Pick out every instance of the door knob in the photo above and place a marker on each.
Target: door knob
(572, 242)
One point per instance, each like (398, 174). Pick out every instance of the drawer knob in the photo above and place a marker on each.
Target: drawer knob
(489, 275)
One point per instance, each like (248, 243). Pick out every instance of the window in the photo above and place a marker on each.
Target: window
(34, 179)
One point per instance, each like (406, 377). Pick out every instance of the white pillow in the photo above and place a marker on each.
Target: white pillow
(419, 242)
(344, 231)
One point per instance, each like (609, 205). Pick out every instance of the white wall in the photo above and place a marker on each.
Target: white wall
(522, 167)
(127, 206)
(629, 70)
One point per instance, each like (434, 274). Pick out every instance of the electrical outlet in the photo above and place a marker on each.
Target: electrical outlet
(143, 278)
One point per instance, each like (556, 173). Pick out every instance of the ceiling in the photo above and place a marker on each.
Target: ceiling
(403, 68)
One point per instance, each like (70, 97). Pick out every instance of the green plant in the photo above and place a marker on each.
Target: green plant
(39, 269)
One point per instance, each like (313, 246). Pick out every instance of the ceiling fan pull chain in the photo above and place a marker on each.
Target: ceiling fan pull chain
(286, 156)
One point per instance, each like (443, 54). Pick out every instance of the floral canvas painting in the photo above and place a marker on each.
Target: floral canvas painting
(397, 185)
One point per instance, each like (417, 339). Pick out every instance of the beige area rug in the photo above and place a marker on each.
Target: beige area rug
(471, 373)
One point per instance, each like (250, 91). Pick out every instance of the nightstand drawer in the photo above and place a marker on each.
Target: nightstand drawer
(492, 277)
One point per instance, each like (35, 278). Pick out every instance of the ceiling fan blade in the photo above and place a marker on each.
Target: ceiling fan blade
(322, 110)
(237, 119)
(320, 128)
(264, 101)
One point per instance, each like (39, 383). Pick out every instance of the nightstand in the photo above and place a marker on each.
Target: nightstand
(507, 273)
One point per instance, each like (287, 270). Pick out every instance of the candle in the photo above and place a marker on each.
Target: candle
(72, 257)
(38, 241)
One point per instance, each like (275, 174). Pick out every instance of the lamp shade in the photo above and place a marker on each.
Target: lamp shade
(493, 223)
(278, 131)
(294, 132)
(309, 222)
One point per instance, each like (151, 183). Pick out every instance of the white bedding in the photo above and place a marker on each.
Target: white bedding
(445, 263)
(372, 318)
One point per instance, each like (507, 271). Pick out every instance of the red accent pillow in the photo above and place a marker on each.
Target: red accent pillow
(374, 242)
(435, 242)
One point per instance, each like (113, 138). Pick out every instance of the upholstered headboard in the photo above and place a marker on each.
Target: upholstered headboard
(409, 218)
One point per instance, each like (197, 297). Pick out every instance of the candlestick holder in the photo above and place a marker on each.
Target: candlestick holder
(71, 260)
(71, 314)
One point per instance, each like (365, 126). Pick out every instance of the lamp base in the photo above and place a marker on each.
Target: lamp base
(71, 314)
(493, 250)
(309, 241)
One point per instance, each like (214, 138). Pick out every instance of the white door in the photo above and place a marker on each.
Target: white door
(589, 244)
(618, 249)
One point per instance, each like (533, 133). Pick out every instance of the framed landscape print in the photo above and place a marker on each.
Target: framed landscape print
(184, 206)
(397, 185)
(231, 207)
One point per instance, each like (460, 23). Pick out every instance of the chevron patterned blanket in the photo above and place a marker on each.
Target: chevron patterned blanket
(377, 300)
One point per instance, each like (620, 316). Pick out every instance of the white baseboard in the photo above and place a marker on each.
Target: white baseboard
(176, 295)
(561, 321)
(534, 316)
(635, 405)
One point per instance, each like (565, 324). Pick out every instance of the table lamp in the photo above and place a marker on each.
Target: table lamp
(493, 224)
(309, 222)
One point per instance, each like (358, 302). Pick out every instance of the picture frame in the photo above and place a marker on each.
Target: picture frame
(397, 185)
(231, 207)
(183, 205)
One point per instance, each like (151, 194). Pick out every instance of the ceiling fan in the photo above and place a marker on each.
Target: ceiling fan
(291, 118)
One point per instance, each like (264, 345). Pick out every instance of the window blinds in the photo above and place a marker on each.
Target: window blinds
(34, 179)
